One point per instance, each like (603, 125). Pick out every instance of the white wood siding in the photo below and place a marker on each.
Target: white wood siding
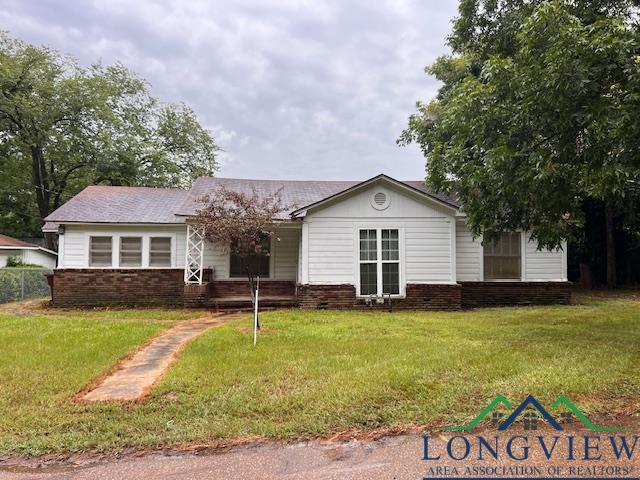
(468, 254)
(216, 259)
(544, 265)
(284, 261)
(74, 248)
(428, 245)
(541, 265)
(38, 257)
(332, 240)
(331, 257)
(285, 253)
(5, 254)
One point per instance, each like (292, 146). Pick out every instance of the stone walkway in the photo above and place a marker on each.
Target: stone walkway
(135, 377)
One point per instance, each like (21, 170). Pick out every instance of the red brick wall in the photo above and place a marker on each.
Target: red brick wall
(102, 287)
(240, 288)
(418, 297)
(490, 294)
(430, 297)
(326, 296)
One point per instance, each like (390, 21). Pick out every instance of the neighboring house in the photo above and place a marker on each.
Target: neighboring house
(343, 245)
(26, 252)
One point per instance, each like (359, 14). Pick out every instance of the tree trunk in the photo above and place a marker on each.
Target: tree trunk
(609, 214)
(51, 241)
(40, 180)
(40, 177)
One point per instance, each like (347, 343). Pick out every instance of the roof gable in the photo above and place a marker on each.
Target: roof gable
(298, 195)
(416, 188)
(143, 205)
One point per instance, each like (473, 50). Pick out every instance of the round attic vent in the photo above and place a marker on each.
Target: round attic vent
(380, 200)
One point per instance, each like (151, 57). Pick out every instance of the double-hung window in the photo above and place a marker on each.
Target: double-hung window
(130, 251)
(100, 249)
(502, 258)
(160, 252)
(379, 259)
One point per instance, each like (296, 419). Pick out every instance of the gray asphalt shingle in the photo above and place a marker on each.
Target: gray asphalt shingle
(295, 193)
(105, 204)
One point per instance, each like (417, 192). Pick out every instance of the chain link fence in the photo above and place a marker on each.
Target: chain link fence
(22, 283)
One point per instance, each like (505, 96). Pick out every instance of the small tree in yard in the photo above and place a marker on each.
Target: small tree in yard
(239, 222)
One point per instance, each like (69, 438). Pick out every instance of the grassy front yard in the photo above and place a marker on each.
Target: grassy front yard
(312, 373)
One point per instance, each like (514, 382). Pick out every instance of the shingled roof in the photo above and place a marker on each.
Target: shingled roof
(295, 193)
(8, 242)
(105, 204)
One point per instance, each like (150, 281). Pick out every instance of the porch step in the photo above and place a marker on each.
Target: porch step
(244, 302)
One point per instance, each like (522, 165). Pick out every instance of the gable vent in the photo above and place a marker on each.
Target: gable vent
(380, 200)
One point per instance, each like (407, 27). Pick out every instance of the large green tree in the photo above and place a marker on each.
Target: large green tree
(63, 127)
(538, 114)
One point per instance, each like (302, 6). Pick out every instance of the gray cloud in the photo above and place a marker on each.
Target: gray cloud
(292, 88)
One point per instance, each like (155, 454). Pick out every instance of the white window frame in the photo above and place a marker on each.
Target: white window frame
(522, 262)
(120, 250)
(115, 247)
(172, 249)
(401, 260)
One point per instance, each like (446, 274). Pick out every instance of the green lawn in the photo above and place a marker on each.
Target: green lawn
(312, 373)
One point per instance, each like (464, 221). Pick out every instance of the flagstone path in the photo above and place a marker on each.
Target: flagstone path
(135, 377)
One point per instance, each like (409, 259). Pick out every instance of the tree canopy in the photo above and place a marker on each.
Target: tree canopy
(537, 114)
(63, 127)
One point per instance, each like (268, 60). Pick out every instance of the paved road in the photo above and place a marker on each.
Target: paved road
(387, 458)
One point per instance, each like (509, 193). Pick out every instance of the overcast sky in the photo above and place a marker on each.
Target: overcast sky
(292, 89)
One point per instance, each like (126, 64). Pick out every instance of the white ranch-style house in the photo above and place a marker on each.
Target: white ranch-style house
(343, 245)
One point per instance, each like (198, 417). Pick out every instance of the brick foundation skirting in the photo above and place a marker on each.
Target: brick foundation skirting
(418, 297)
(495, 294)
(240, 288)
(104, 287)
(327, 296)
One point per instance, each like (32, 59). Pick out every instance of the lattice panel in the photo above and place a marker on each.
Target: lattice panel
(195, 255)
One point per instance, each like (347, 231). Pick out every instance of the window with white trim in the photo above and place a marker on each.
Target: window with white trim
(247, 259)
(379, 261)
(130, 251)
(160, 252)
(100, 249)
(503, 258)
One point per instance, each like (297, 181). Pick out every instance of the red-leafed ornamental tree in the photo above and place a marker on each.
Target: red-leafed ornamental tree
(241, 223)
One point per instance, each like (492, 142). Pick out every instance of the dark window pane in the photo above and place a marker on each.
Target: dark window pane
(390, 278)
(255, 263)
(368, 279)
(390, 245)
(368, 245)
